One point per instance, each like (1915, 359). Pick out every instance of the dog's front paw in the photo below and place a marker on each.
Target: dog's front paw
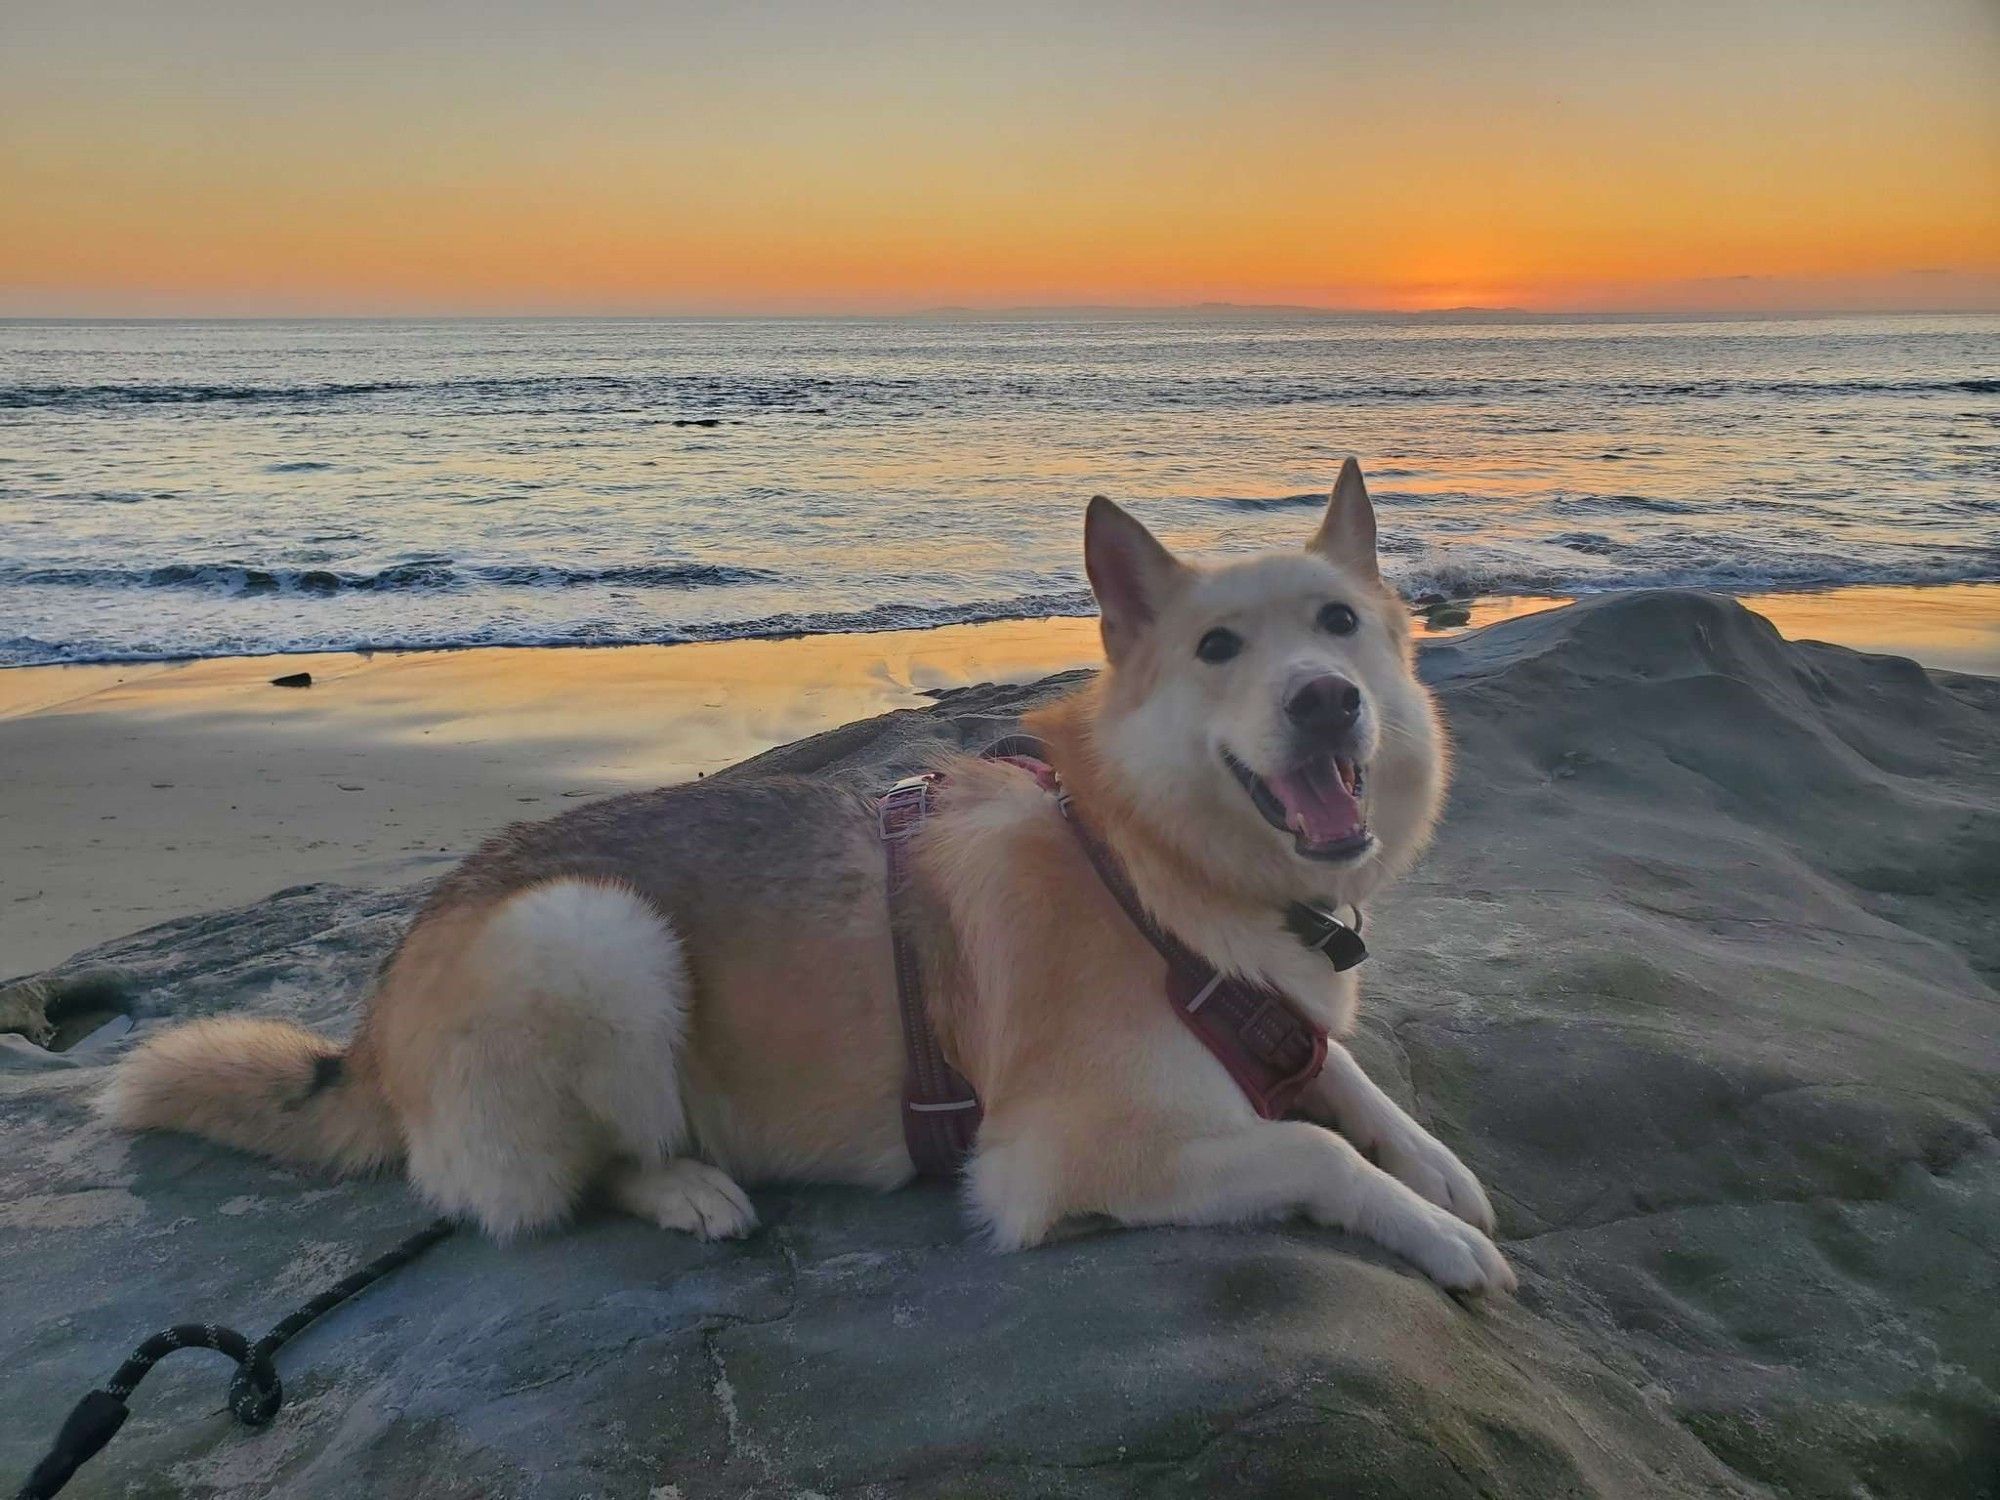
(1457, 1256)
(1427, 1167)
(681, 1193)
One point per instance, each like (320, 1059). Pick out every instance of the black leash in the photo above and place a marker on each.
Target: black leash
(254, 1392)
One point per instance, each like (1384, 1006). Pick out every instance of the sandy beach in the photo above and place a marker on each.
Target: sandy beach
(135, 794)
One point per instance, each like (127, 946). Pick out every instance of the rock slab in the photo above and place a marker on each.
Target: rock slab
(1699, 979)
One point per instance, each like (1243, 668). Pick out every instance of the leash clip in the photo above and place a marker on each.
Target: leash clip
(1319, 929)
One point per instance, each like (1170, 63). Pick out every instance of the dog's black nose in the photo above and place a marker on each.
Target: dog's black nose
(1324, 707)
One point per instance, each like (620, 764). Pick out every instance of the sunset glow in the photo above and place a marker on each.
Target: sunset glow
(447, 156)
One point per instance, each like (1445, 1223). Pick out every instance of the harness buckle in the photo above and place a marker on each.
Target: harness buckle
(900, 811)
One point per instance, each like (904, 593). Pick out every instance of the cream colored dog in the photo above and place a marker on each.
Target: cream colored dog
(663, 994)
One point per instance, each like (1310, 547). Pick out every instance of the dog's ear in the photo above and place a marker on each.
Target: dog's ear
(1130, 572)
(1347, 533)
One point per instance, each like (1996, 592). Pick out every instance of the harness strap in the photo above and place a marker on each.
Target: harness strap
(941, 1113)
(1259, 1035)
(1266, 1043)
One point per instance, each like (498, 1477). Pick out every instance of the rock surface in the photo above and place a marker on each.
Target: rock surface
(1699, 979)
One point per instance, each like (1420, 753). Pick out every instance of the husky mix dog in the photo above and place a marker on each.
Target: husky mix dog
(659, 996)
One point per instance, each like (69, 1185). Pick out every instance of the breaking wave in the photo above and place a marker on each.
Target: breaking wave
(419, 574)
(1419, 581)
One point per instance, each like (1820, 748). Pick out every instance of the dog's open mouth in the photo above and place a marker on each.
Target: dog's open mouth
(1318, 804)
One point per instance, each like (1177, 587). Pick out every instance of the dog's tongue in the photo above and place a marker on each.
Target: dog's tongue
(1318, 804)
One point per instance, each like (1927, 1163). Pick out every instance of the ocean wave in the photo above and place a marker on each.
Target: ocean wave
(1561, 504)
(519, 484)
(134, 394)
(709, 395)
(1268, 502)
(881, 617)
(1607, 505)
(1449, 579)
(1471, 579)
(630, 575)
(702, 393)
(873, 620)
(418, 574)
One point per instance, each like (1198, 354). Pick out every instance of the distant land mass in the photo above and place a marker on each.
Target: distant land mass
(1248, 310)
(1252, 311)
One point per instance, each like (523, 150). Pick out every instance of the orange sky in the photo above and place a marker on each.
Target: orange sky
(218, 156)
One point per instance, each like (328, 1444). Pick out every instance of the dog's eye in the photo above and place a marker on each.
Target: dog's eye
(1219, 645)
(1338, 619)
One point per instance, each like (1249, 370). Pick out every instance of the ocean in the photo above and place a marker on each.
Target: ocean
(179, 489)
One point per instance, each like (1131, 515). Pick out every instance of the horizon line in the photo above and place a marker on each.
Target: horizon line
(972, 312)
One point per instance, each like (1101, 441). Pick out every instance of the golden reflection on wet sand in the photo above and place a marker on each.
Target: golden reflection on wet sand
(648, 713)
(1955, 627)
(698, 706)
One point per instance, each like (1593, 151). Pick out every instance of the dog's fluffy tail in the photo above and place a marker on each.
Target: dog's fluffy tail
(263, 1086)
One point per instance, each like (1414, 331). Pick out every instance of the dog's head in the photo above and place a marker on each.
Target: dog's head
(1264, 716)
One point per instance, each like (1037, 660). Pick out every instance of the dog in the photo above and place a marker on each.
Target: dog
(662, 995)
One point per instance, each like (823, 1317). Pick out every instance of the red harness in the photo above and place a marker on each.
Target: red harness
(941, 1112)
(1270, 1047)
